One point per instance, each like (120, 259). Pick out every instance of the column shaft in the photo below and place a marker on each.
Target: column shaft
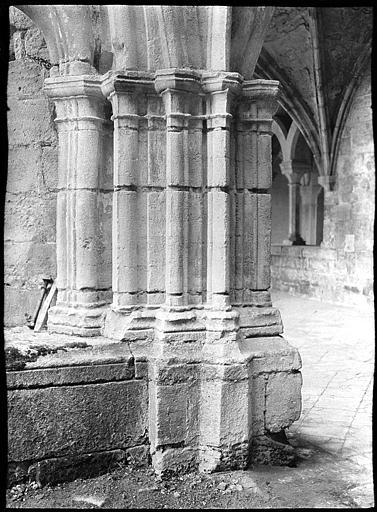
(176, 161)
(254, 132)
(125, 214)
(222, 91)
(176, 89)
(294, 211)
(80, 119)
(309, 201)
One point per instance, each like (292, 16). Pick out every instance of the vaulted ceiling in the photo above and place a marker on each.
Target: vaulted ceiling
(318, 55)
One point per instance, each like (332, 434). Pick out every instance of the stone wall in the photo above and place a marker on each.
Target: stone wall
(32, 182)
(74, 408)
(30, 205)
(341, 270)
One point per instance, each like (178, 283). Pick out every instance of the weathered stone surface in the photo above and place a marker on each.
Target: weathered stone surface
(25, 79)
(56, 420)
(18, 19)
(37, 122)
(257, 404)
(30, 208)
(224, 419)
(270, 354)
(22, 293)
(259, 317)
(174, 461)
(30, 218)
(168, 418)
(234, 414)
(138, 456)
(174, 373)
(18, 303)
(283, 400)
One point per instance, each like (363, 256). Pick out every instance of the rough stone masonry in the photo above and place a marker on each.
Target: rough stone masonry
(162, 251)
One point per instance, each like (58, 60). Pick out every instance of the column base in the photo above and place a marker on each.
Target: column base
(294, 240)
(77, 320)
(179, 319)
(124, 323)
(259, 321)
(216, 397)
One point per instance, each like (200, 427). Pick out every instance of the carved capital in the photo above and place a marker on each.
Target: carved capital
(179, 80)
(216, 82)
(224, 90)
(77, 98)
(259, 102)
(294, 171)
(131, 82)
(123, 90)
(65, 87)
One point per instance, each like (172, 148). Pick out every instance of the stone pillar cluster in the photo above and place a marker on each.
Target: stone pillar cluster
(191, 225)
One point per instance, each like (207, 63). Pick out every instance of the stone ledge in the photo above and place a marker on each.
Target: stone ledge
(270, 354)
(71, 375)
(27, 350)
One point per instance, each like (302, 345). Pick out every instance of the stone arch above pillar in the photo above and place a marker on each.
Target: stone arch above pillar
(280, 132)
(360, 67)
(216, 38)
(249, 27)
(69, 36)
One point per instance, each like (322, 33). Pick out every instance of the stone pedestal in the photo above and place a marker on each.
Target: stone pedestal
(80, 119)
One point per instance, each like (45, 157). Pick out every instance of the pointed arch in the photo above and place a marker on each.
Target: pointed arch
(291, 102)
(292, 138)
(349, 93)
(68, 32)
(278, 129)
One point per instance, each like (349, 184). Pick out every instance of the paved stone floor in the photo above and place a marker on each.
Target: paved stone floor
(336, 344)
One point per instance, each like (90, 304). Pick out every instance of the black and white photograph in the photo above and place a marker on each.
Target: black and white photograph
(188, 237)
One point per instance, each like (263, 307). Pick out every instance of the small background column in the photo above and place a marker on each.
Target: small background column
(309, 193)
(294, 171)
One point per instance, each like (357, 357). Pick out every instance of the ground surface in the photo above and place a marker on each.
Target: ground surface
(333, 436)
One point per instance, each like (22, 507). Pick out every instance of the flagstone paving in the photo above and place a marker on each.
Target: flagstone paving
(336, 344)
